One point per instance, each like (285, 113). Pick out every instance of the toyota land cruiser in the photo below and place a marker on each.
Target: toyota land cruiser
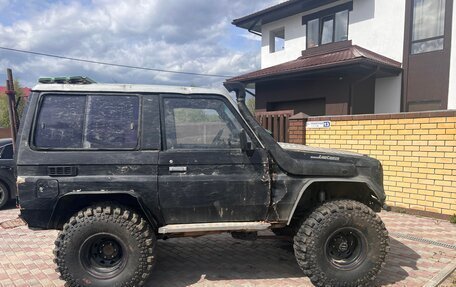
(115, 167)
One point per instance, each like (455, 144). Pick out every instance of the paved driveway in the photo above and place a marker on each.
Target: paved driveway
(421, 249)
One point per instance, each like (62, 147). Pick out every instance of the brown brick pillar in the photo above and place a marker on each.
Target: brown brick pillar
(297, 128)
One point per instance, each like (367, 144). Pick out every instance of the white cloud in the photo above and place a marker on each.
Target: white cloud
(250, 36)
(175, 35)
(3, 3)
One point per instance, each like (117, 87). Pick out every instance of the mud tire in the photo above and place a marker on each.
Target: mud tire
(330, 225)
(79, 265)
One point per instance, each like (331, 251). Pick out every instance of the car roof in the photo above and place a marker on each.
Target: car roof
(128, 88)
(6, 141)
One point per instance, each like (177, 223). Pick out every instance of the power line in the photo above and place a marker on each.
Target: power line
(112, 64)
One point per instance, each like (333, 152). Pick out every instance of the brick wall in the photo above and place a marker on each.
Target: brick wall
(417, 150)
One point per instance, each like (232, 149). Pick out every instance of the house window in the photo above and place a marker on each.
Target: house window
(428, 26)
(327, 29)
(277, 40)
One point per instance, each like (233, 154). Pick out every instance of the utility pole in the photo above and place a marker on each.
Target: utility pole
(11, 105)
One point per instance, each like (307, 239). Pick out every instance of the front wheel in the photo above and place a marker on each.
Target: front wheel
(105, 245)
(342, 243)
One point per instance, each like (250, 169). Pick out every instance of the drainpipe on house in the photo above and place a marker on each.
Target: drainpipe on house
(251, 29)
(11, 105)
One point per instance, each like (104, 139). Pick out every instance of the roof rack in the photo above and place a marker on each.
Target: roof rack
(66, 80)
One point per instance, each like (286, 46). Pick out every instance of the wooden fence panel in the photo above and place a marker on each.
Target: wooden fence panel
(276, 122)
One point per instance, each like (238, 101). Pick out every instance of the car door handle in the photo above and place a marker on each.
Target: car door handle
(177, 168)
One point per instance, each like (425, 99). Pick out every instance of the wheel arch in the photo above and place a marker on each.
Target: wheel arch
(360, 190)
(70, 203)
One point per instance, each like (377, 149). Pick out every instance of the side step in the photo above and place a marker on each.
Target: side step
(219, 226)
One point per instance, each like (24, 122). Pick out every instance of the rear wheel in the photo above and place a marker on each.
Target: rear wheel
(4, 195)
(342, 243)
(105, 245)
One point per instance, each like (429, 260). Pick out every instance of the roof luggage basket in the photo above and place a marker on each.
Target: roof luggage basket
(77, 80)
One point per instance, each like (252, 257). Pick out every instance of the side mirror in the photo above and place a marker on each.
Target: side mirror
(245, 144)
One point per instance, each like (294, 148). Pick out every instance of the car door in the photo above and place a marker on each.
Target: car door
(204, 176)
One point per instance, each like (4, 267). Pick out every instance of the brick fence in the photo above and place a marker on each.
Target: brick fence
(417, 150)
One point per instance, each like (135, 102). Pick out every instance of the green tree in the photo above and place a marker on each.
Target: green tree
(4, 115)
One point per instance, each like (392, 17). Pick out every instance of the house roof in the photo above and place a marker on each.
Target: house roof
(324, 58)
(288, 8)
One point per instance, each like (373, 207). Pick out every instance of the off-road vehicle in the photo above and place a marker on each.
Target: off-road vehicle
(116, 167)
(7, 178)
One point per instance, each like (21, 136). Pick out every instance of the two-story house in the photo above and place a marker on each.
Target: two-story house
(333, 57)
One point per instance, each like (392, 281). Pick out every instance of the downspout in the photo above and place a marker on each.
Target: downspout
(255, 32)
(352, 86)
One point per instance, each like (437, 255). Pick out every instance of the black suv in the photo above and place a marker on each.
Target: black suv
(7, 179)
(116, 167)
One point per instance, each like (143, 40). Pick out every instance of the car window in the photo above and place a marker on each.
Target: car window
(200, 123)
(112, 122)
(6, 152)
(60, 122)
(87, 122)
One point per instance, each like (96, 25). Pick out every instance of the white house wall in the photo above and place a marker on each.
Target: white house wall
(295, 41)
(295, 37)
(378, 25)
(452, 87)
(388, 95)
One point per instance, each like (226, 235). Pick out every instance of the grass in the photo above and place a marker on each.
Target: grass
(453, 218)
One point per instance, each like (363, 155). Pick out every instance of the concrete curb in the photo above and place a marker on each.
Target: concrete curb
(440, 277)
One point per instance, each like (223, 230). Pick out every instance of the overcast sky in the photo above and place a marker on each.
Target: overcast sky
(180, 35)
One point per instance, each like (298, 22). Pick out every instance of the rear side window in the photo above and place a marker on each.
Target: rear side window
(112, 122)
(6, 152)
(87, 122)
(60, 122)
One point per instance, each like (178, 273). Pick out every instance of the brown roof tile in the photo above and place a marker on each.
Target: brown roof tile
(321, 58)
